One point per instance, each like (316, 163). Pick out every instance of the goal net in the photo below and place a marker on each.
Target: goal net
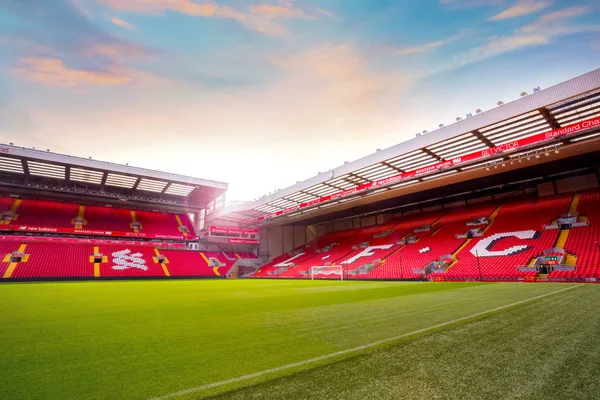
(327, 272)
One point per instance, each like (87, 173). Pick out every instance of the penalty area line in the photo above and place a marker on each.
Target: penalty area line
(351, 350)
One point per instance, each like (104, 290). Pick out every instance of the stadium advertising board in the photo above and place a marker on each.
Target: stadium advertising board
(90, 241)
(229, 230)
(95, 232)
(551, 260)
(504, 148)
(242, 241)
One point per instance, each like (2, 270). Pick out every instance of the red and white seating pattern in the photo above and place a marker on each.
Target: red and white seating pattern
(514, 238)
(76, 260)
(54, 214)
(583, 242)
(441, 240)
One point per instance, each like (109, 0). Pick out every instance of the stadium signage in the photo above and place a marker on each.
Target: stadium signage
(93, 232)
(4, 150)
(228, 230)
(504, 148)
(92, 241)
(242, 241)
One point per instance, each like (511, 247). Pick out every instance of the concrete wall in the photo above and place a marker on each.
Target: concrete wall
(275, 241)
(480, 200)
(432, 208)
(583, 182)
(368, 221)
(455, 204)
(300, 236)
(288, 238)
(546, 189)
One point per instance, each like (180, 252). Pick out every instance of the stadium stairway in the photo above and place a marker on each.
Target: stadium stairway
(582, 243)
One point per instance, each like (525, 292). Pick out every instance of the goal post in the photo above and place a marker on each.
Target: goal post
(327, 271)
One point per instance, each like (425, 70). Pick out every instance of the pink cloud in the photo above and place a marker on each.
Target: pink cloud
(53, 72)
(522, 8)
(121, 23)
(280, 12)
(181, 6)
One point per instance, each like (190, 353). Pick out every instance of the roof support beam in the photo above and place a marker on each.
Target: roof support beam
(485, 140)
(431, 153)
(549, 118)
(356, 179)
(387, 164)
(67, 173)
(332, 186)
(165, 188)
(137, 182)
(104, 177)
(290, 200)
(305, 192)
(25, 166)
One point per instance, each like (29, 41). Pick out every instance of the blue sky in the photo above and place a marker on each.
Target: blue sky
(261, 94)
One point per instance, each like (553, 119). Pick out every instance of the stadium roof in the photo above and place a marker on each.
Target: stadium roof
(23, 167)
(546, 110)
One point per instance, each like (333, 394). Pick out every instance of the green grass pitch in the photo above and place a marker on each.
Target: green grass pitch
(157, 339)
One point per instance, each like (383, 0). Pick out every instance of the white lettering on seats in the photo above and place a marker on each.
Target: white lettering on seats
(367, 252)
(483, 248)
(424, 250)
(288, 262)
(126, 259)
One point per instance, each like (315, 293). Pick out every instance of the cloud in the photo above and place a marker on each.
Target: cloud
(259, 17)
(120, 52)
(541, 32)
(327, 13)
(53, 72)
(471, 3)
(121, 23)
(553, 20)
(499, 45)
(158, 7)
(524, 7)
(61, 30)
(429, 46)
(280, 12)
(343, 76)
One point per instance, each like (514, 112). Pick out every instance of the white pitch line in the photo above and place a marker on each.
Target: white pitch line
(348, 351)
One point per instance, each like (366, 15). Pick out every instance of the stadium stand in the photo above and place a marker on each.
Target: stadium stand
(440, 241)
(582, 243)
(38, 259)
(53, 260)
(512, 237)
(187, 263)
(108, 218)
(53, 214)
(425, 245)
(46, 213)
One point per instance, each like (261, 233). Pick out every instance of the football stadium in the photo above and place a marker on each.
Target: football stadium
(459, 264)
(299, 199)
